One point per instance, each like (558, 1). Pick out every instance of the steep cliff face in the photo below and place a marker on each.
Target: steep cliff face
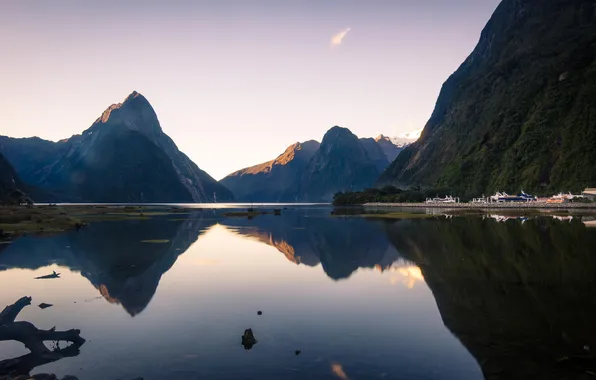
(123, 157)
(275, 180)
(9, 182)
(375, 153)
(341, 164)
(519, 112)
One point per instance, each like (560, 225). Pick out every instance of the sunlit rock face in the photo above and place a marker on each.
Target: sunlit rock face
(277, 180)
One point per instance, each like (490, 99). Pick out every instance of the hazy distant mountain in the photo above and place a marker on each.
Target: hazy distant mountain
(342, 163)
(391, 147)
(311, 171)
(123, 157)
(519, 112)
(275, 180)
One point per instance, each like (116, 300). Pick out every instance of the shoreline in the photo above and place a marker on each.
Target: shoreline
(506, 205)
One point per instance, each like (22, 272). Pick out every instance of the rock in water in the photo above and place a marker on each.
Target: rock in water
(248, 339)
(45, 305)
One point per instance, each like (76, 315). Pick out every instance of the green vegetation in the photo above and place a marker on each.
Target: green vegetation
(397, 215)
(387, 194)
(518, 114)
(18, 220)
(244, 213)
(23, 220)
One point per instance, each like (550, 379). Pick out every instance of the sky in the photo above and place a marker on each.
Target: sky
(233, 82)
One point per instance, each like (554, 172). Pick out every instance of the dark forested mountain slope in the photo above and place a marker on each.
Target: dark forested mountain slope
(519, 112)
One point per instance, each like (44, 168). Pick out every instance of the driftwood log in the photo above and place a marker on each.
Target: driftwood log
(33, 339)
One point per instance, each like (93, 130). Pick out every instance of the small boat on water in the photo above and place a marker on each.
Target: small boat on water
(447, 199)
(563, 198)
(504, 197)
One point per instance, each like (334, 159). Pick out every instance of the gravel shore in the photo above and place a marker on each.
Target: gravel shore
(505, 205)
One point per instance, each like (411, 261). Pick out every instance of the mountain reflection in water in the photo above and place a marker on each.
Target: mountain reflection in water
(519, 297)
(113, 256)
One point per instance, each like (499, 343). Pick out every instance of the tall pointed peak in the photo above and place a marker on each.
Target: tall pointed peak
(338, 132)
(135, 112)
(134, 95)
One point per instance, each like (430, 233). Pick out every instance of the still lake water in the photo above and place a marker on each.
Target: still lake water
(441, 298)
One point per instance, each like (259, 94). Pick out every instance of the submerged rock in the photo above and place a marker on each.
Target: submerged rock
(248, 339)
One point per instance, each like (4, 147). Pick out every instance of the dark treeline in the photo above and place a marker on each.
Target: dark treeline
(388, 194)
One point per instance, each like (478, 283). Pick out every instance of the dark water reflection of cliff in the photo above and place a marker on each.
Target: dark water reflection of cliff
(459, 298)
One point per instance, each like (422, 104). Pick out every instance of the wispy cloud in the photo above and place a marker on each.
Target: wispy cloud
(337, 39)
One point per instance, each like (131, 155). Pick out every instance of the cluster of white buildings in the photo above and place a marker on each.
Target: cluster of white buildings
(502, 197)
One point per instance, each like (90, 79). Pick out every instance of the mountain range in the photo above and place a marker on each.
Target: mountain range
(123, 157)
(126, 157)
(314, 172)
(519, 112)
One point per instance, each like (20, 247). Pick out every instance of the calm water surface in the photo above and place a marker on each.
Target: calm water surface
(440, 298)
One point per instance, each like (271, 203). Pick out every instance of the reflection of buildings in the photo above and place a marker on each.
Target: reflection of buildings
(504, 218)
(520, 298)
(112, 257)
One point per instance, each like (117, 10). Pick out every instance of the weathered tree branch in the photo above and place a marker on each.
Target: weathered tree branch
(33, 339)
(26, 363)
(10, 312)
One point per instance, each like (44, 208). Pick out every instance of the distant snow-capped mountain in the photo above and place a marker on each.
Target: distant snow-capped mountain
(402, 140)
(412, 136)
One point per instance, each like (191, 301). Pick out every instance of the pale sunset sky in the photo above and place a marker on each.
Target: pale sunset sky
(233, 82)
